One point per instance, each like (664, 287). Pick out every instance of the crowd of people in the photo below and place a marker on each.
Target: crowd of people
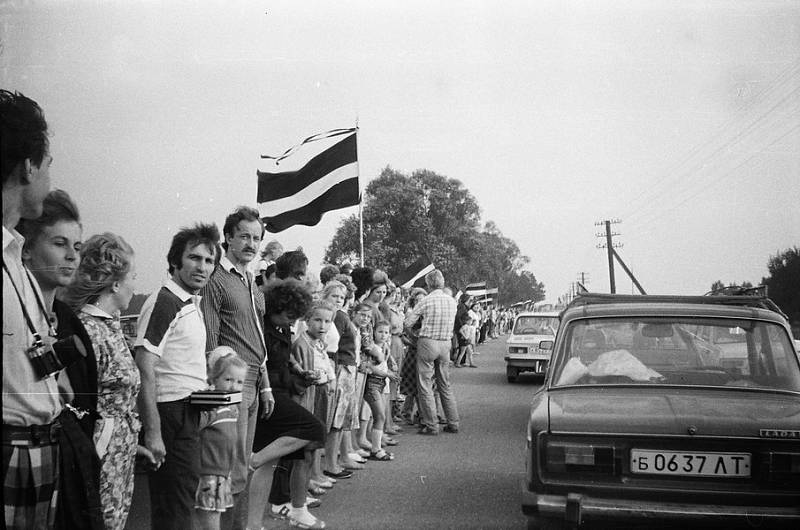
(329, 372)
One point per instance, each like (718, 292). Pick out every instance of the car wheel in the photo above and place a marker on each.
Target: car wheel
(511, 374)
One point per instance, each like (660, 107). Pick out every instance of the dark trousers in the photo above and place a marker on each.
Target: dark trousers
(173, 485)
(280, 492)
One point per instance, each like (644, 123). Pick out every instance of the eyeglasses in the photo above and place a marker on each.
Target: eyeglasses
(247, 238)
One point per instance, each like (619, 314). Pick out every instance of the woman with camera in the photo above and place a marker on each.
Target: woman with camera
(51, 253)
(102, 289)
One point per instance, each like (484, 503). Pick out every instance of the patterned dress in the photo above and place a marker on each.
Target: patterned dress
(116, 431)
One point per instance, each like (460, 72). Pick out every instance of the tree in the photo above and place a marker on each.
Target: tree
(426, 214)
(783, 283)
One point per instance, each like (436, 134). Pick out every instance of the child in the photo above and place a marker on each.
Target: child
(218, 439)
(466, 340)
(309, 356)
(377, 372)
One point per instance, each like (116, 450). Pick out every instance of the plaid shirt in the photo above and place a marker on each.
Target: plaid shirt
(438, 313)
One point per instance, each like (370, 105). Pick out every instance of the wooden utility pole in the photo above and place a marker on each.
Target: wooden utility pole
(609, 245)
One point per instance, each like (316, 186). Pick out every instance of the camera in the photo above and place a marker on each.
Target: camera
(49, 359)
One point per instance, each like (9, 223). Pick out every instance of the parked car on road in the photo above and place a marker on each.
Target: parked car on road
(523, 353)
(666, 409)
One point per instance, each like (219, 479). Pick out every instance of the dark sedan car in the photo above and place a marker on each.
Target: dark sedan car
(667, 409)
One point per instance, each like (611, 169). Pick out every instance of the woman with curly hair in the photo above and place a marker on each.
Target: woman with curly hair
(103, 287)
(290, 431)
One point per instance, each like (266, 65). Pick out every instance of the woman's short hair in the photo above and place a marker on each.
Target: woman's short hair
(333, 285)
(105, 259)
(57, 206)
(327, 273)
(320, 305)
(287, 295)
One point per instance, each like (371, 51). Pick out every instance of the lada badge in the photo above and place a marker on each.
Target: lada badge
(780, 433)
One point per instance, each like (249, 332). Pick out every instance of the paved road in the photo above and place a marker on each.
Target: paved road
(465, 480)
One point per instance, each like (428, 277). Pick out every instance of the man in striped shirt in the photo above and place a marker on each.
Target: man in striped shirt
(438, 314)
(233, 307)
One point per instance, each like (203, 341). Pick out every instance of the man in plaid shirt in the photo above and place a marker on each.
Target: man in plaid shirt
(438, 314)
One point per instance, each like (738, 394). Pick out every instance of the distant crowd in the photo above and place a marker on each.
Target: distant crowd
(319, 376)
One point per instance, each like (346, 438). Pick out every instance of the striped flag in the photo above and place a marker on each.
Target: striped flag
(319, 175)
(414, 272)
(476, 289)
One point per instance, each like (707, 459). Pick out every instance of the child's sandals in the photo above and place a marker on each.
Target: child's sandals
(381, 456)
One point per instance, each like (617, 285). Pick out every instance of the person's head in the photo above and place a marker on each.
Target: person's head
(53, 241)
(377, 292)
(466, 319)
(417, 294)
(192, 256)
(362, 314)
(464, 299)
(226, 370)
(335, 292)
(391, 292)
(382, 332)
(434, 280)
(292, 264)
(106, 274)
(242, 232)
(362, 279)
(476, 306)
(286, 301)
(272, 251)
(327, 273)
(24, 154)
(318, 318)
(346, 268)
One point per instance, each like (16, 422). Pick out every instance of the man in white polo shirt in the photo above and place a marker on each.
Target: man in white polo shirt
(170, 353)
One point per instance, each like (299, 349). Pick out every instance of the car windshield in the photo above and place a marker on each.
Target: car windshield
(677, 351)
(535, 325)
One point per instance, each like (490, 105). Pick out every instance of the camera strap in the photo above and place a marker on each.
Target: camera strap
(37, 337)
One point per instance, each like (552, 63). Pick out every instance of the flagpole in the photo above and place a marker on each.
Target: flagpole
(360, 209)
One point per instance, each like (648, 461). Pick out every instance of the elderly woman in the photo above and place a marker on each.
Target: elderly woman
(51, 252)
(102, 289)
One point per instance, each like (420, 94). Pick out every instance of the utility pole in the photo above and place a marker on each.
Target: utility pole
(610, 245)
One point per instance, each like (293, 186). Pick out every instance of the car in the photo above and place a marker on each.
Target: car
(522, 346)
(648, 416)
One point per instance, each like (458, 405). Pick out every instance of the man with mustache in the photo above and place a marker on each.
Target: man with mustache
(170, 355)
(233, 307)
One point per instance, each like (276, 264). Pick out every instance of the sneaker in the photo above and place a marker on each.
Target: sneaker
(451, 429)
(312, 502)
(280, 511)
(302, 518)
(430, 431)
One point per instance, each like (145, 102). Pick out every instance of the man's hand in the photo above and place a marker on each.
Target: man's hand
(267, 403)
(154, 444)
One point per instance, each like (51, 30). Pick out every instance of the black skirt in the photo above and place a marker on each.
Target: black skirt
(289, 419)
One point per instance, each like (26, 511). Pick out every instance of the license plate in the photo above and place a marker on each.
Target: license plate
(734, 465)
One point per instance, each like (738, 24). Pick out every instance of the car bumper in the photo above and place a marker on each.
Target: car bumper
(538, 363)
(577, 508)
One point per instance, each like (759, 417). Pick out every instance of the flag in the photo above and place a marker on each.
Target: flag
(476, 289)
(324, 178)
(414, 272)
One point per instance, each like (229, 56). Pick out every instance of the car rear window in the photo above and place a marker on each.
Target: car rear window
(677, 351)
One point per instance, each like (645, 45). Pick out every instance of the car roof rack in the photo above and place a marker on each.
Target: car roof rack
(751, 300)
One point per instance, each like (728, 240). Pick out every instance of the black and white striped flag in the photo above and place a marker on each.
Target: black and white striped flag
(318, 175)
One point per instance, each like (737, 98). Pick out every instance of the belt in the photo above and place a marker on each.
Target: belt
(33, 435)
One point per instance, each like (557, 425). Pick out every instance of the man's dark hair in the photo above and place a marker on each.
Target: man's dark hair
(242, 213)
(190, 237)
(23, 132)
(328, 273)
(57, 206)
(287, 295)
(362, 278)
(290, 264)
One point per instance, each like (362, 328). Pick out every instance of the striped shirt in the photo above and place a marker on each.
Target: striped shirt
(234, 311)
(438, 313)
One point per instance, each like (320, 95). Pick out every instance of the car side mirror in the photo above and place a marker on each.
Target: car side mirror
(546, 345)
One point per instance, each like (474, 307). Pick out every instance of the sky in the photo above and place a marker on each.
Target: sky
(680, 119)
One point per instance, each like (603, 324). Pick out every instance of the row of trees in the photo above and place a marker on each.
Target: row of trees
(426, 214)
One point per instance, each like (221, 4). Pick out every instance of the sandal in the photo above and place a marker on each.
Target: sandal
(385, 457)
(316, 491)
(389, 441)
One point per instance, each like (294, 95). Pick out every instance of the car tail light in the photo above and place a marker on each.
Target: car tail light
(784, 468)
(517, 349)
(561, 457)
